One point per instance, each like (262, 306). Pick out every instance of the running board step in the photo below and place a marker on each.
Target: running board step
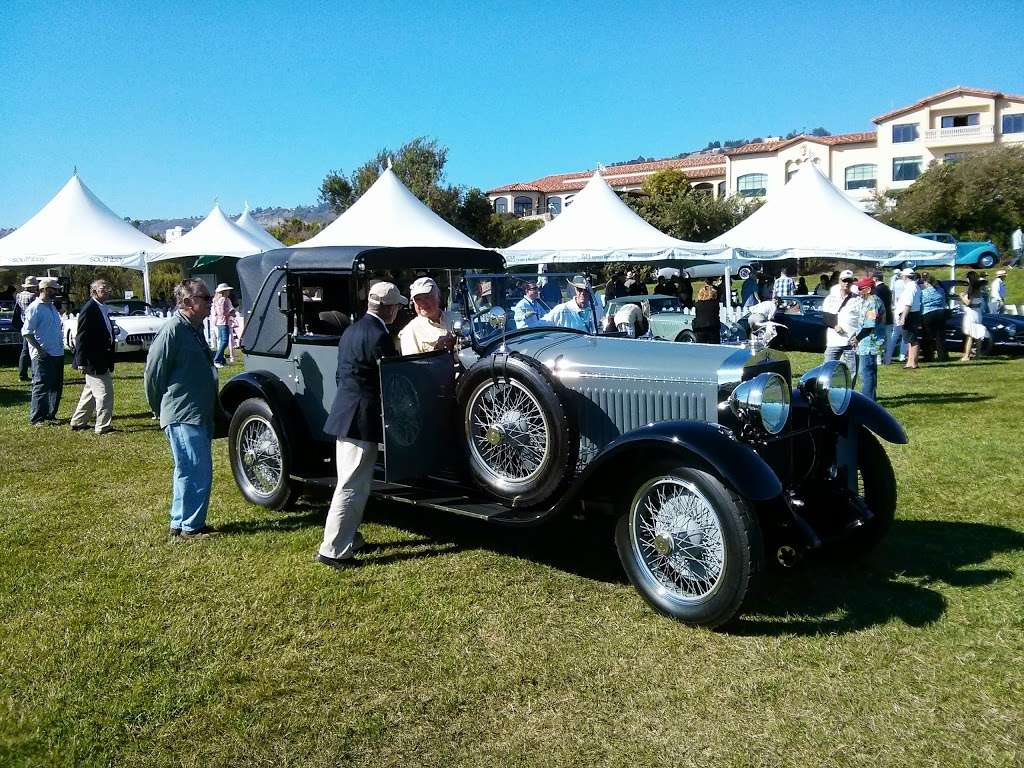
(438, 498)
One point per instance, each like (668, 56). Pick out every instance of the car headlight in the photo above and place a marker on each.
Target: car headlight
(829, 384)
(765, 396)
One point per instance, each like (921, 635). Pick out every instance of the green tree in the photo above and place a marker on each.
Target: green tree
(336, 191)
(295, 230)
(982, 195)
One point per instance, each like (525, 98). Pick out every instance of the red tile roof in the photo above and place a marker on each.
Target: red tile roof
(694, 166)
(957, 90)
(860, 137)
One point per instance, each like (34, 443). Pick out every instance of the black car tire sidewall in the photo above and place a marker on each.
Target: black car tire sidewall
(879, 494)
(285, 493)
(743, 554)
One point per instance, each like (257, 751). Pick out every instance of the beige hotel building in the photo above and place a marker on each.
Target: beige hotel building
(941, 128)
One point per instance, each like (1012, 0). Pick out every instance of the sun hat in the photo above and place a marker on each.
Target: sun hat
(1001, 273)
(30, 282)
(385, 294)
(223, 287)
(422, 285)
(578, 281)
(846, 274)
(49, 282)
(865, 282)
(908, 272)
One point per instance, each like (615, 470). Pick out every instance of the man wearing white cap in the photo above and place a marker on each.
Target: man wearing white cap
(578, 312)
(844, 317)
(223, 314)
(355, 421)
(44, 334)
(997, 293)
(908, 314)
(431, 329)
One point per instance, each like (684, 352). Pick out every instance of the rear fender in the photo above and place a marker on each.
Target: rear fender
(703, 446)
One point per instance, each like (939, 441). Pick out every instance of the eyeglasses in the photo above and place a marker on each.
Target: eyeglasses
(849, 280)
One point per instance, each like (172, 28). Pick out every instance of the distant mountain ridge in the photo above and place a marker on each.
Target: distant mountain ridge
(265, 217)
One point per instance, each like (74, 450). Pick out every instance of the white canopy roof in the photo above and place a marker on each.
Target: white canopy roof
(389, 214)
(216, 235)
(75, 227)
(598, 226)
(810, 217)
(248, 223)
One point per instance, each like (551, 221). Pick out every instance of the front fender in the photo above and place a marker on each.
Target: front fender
(863, 411)
(696, 444)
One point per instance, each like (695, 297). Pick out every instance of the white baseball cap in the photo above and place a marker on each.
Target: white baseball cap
(384, 294)
(907, 271)
(49, 282)
(422, 285)
(846, 274)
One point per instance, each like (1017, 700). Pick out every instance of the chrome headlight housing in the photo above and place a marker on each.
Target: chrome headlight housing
(829, 385)
(765, 397)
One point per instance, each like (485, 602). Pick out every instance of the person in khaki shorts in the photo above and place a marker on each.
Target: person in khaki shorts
(94, 357)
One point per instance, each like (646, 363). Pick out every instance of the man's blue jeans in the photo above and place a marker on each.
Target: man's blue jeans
(47, 387)
(895, 337)
(193, 475)
(223, 337)
(868, 365)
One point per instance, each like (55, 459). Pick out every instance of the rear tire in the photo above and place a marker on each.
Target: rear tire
(986, 261)
(690, 546)
(260, 458)
(744, 272)
(686, 337)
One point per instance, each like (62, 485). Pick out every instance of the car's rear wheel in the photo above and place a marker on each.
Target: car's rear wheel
(259, 456)
(744, 272)
(520, 441)
(986, 261)
(687, 337)
(689, 546)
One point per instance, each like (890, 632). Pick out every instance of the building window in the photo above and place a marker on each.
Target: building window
(704, 188)
(554, 205)
(1013, 123)
(864, 176)
(501, 205)
(522, 206)
(752, 185)
(902, 132)
(906, 168)
(953, 157)
(959, 121)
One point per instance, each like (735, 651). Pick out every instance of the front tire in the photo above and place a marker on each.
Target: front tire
(260, 459)
(876, 487)
(686, 337)
(690, 547)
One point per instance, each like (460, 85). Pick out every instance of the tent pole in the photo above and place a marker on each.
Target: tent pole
(728, 292)
(145, 281)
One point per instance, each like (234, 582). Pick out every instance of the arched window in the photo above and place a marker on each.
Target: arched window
(704, 188)
(752, 185)
(501, 205)
(554, 205)
(522, 206)
(863, 176)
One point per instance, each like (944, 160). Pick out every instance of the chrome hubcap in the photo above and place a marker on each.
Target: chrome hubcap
(261, 455)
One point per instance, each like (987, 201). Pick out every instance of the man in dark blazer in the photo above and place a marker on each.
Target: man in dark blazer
(94, 357)
(355, 421)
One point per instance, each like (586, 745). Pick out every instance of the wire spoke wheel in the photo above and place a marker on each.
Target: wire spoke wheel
(260, 454)
(508, 433)
(677, 538)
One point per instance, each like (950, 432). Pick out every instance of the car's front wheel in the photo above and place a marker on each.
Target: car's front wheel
(259, 456)
(876, 490)
(689, 546)
(744, 272)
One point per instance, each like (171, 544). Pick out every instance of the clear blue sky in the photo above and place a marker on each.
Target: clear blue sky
(165, 106)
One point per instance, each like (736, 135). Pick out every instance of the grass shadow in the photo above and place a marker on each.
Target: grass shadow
(9, 396)
(932, 398)
(828, 596)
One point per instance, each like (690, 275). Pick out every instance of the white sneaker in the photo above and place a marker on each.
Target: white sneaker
(217, 365)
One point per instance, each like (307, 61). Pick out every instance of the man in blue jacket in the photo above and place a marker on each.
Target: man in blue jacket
(181, 385)
(355, 421)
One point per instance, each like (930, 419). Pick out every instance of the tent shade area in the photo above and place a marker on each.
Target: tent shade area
(75, 227)
(388, 214)
(811, 218)
(247, 223)
(216, 235)
(599, 227)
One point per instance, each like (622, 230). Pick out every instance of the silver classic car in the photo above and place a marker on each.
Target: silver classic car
(710, 458)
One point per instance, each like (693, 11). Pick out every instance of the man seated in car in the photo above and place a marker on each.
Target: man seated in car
(431, 329)
(529, 310)
(577, 312)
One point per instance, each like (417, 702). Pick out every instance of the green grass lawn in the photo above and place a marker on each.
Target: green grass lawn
(462, 644)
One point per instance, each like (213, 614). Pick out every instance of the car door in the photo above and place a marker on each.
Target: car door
(419, 411)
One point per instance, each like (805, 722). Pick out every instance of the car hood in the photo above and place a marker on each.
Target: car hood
(139, 323)
(572, 355)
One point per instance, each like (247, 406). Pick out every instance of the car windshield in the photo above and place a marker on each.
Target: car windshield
(523, 307)
(128, 307)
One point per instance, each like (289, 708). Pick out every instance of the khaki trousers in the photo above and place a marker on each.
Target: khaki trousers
(97, 398)
(355, 460)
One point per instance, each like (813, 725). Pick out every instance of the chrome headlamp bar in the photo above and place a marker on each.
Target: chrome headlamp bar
(828, 386)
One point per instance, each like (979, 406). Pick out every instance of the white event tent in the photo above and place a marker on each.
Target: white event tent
(216, 235)
(388, 214)
(811, 217)
(75, 227)
(248, 223)
(599, 227)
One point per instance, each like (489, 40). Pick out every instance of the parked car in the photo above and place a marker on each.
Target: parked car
(802, 324)
(981, 253)
(710, 458)
(667, 319)
(9, 338)
(1003, 333)
(136, 324)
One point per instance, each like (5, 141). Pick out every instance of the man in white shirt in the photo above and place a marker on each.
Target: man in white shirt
(841, 338)
(431, 329)
(908, 314)
(578, 312)
(1017, 246)
(997, 293)
(44, 333)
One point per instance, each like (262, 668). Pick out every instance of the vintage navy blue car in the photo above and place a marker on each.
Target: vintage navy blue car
(710, 458)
